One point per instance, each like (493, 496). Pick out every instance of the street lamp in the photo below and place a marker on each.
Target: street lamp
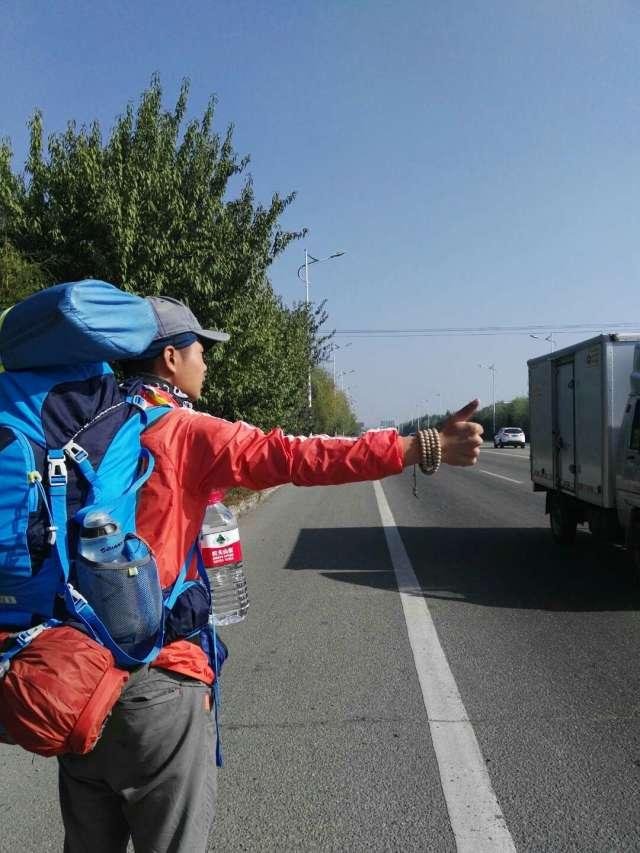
(308, 260)
(341, 376)
(439, 396)
(427, 412)
(549, 338)
(492, 368)
(332, 350)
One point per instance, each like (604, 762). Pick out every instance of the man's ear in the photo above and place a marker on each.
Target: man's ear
(169, 360)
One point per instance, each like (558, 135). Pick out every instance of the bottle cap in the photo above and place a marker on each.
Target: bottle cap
(216, 496)
(98, 523)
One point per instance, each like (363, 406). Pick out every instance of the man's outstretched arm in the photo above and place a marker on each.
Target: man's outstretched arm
(237, 454)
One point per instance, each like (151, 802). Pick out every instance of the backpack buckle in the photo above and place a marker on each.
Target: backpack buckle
(75, 452)
(138, 401)
(57, 471)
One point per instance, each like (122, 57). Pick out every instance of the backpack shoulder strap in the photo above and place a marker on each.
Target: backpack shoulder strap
(149, 412)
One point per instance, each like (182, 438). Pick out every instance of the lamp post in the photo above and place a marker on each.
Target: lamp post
(492, 368)
(550, 338)
(428, 413)
(439, 396)
(341, 376)
(308, 260)
(349, 389)
(335, 347)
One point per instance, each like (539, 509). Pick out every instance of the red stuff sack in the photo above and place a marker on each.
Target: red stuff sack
(58, 692)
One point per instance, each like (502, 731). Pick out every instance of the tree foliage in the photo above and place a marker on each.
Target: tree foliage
(512, 413)
(332, 413)
(166, 206)
(18, 277)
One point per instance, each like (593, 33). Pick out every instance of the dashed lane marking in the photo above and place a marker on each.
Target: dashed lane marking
(500, 476)
(524, 456)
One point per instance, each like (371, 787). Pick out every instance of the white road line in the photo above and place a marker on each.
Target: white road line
(476, 818)
(524, 456)
(501, 476)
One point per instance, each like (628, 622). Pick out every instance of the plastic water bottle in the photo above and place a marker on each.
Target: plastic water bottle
(222, 556)
(101, 539)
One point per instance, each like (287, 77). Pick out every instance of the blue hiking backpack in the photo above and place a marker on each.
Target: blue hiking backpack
(70, 443)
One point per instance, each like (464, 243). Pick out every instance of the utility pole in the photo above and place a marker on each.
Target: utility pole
(308, 260)
(492, 368)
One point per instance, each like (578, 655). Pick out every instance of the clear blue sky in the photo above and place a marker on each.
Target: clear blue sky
(477, 160)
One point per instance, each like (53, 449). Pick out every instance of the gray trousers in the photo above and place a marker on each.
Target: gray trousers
(151, 776)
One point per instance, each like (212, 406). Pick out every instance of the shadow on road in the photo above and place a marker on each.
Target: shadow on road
(495, 567)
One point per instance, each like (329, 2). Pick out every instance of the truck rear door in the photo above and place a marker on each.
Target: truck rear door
(565, 442)
(541, 393)
(628, 479)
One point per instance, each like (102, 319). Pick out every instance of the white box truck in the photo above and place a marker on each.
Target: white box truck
(585, 438)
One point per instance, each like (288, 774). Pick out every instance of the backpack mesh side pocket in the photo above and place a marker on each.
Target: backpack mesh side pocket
(125, 595)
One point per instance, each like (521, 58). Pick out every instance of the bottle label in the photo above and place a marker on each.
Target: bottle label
(221, 549)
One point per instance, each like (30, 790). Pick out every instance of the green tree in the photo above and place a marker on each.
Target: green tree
(514, 413)
(332, 414)
(166, 206)
(18, 277)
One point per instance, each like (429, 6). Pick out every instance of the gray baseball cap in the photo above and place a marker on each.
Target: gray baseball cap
(175, 319)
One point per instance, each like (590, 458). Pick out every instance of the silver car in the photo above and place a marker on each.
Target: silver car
(509, 437)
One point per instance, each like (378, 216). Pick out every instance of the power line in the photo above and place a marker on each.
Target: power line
(491, 330)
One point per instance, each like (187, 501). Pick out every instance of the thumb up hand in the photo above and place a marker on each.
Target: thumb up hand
(460, 439)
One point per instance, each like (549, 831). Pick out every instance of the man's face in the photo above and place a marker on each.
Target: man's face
(190, 369)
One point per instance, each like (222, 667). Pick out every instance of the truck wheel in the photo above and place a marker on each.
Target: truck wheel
(563, 522)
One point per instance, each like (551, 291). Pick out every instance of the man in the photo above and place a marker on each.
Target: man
(151, 776)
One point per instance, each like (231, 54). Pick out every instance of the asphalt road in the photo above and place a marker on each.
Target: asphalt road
(326, 735)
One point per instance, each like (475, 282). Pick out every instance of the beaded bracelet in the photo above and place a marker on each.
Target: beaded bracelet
(430, 450)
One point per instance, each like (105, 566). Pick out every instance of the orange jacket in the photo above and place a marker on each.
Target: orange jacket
(196, 453)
